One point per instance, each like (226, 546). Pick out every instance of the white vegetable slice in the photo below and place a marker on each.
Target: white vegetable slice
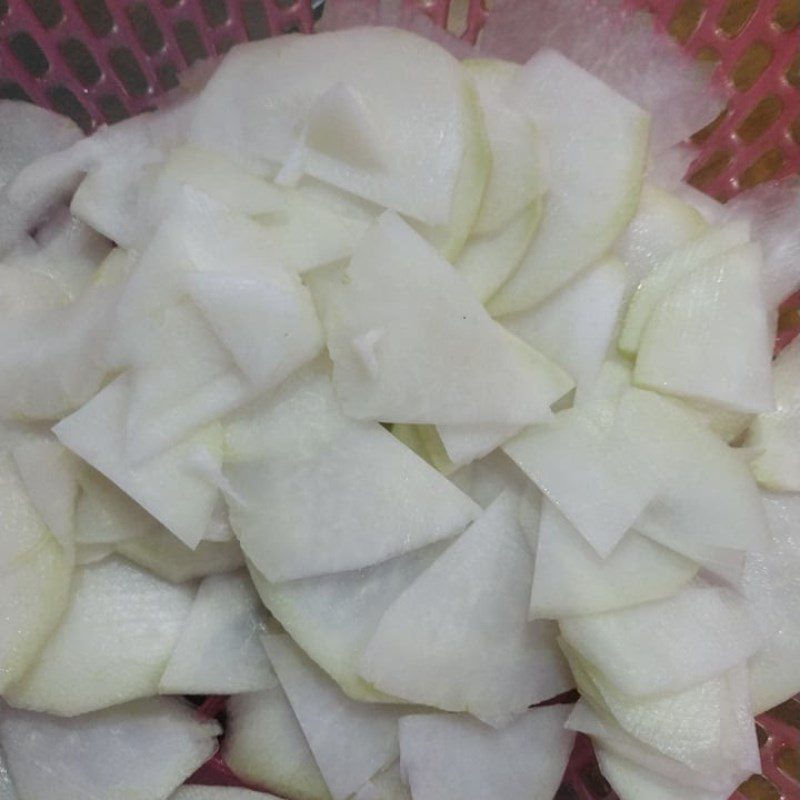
(667, 645)
(595, 174)
(633, 782)
(265, 745)
(776, 434)
(517, 177)
(91, 553)
(166, 556)
(448, 756)
(50, 474)
(144, 749)
(663, 223)
(409, 341)
(333, 617)
(459, 638)
(489, 260)
(373, 498)
(165, 486)
(575, 326)
(771, 583)
(105, 514)
(686, 348)
(273, 309)
(350, 741)
(571, 579)
(669, 271)
(464, 444)
(36, 573)
(112, 645)
(219, 793)
(423, 148)
(218, 177)
(219, 650)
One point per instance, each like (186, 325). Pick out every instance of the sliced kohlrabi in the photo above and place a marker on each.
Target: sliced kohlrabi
(112, 645)
(686, 347)
(219, 793)
(595, 174)
(333, 617)
(455, 756)
(351, 741)
(458, 638)
(409, 341)
(517, 178)
(219, 650)
(265, 746)
(373, 497)
(463, 444)
(570, 578)
(387, 785)
(487, 478)
(141, 751)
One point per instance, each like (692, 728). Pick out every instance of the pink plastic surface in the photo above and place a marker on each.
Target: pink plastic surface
(102, 60)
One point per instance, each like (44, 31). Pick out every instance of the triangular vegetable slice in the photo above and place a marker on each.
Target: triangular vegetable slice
(459, 638)
(687, 349)
(219, 650)
(350, 741)
(112, 645)
(409, 342)
(219, 793)
(387, 785)
(265, 745)
(373, 497)
(333, 617)
(148, 748)
(454, 756)
(666, 645)
(570, 578)
(595, 174)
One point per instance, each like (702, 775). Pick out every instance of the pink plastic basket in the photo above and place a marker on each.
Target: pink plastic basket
(100, 61)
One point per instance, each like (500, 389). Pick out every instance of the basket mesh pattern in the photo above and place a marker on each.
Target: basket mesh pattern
(100, 61)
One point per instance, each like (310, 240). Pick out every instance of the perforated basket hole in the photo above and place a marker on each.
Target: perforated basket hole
(189, 41)
(167, 75)
(255, 20)
(48, 12)
(146, 29)
(761, 735)
(707, 54)
(96, 15)
(788, 713)
(685, 20)
(704, 134)
(594, 781)
(794, 130)
(787, 17)
(128, 71)
(13, 91)
(751, 65)
(80, 61)
(64, 102)
(793, 73)
(112, 109)
(29, 54)
(215, 12)
(458, 17)
(736, 15)
(714, 166)
(286, 4)
(760, 119)
(566, 793)
(759, 788)
(764, 168)
(788, 762)
(3, 8)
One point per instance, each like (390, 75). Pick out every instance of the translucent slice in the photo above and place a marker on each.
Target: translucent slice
(112, 645)
(667, 645)
(265, 746)
(373, 497)
(687, 347)
(219, 650)
(486, 479)
(146, 749)
(410, 342)
(350, 741)
(571, 579)
(219, 793)
(463, 444)
(333, 617)
(595, 174)
(459, 639)
(776, 434)
(454, 756)
(166, 486)
(387, 785)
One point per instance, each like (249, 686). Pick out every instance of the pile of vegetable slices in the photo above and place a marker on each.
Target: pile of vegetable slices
(392, 396)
